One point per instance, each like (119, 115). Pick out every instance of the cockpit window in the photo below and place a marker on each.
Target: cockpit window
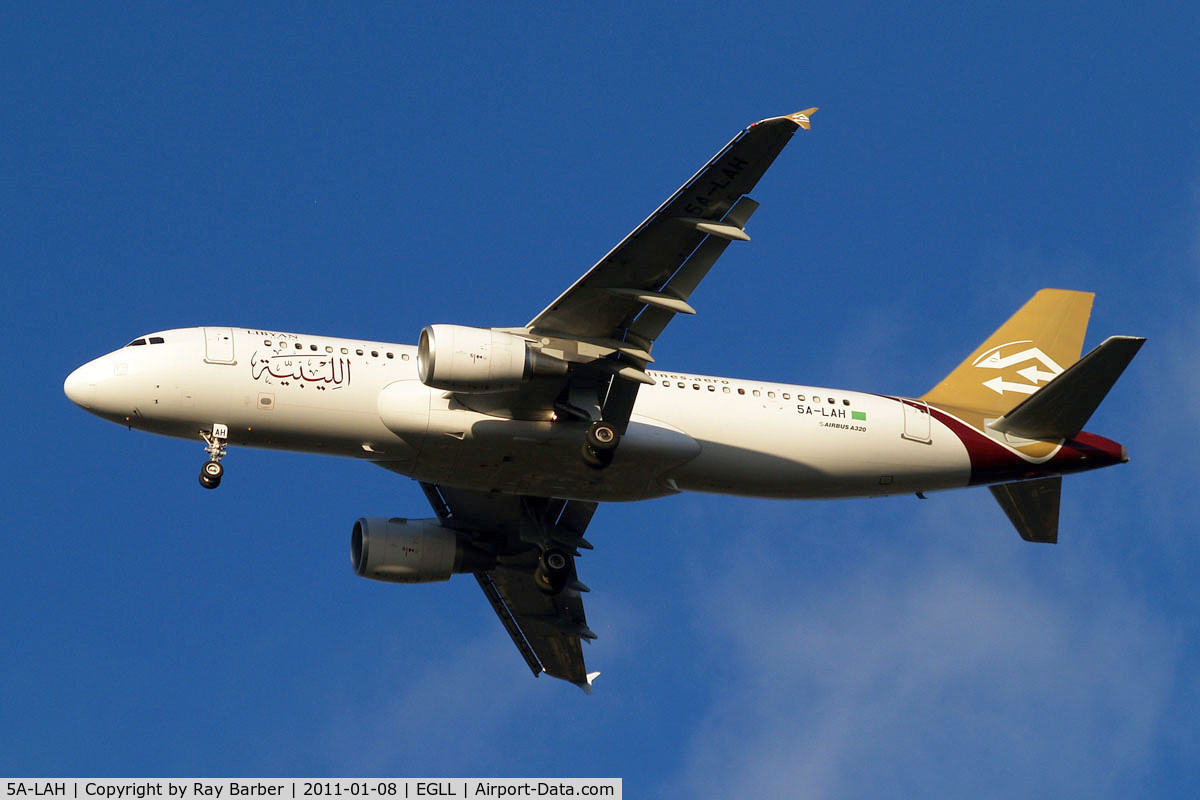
(136, 342)
(156, 340)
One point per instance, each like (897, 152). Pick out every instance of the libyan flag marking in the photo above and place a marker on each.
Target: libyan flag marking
(862, 415)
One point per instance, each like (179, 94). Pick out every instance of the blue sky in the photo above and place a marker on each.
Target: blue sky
(367, 170)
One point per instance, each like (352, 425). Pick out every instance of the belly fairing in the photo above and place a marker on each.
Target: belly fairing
(404, 410)
(459, 447)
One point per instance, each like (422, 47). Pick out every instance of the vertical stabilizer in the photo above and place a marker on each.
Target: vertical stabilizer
(1036, 345)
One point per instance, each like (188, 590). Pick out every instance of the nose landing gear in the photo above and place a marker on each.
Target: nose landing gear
(216, 441)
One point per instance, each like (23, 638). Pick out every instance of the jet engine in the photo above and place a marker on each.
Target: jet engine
(462, 359)
(412, 551)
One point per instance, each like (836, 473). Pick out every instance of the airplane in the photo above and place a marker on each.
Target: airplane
(516, 434)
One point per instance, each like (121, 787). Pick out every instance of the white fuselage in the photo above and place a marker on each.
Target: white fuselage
(363, 399)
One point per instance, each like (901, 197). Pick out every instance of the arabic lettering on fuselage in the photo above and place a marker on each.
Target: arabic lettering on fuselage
(325, 372)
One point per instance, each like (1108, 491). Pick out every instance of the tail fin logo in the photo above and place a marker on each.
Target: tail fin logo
(994, 360)
(801, 118)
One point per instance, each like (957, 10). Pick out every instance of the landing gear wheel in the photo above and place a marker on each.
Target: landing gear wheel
(211, 474)
(215, 442)
(596, 459)
(600, 444)
(553, 571)
(602, 435)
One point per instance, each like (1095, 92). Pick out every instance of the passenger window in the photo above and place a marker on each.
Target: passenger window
(375, 354)
(266, 342)
(757, 393)
(725, 389)
(299, 346)
(681, 384)
(328, 349)
(389, 355)
(404, 356)
(831, 400)
(770, 394)
(696, 386)
(666, 383)
(787, 396)
(712, 388)
(800, 397)
(741, 391)
(845, 402)
(345, 351)
(358, 352)
(312, 347)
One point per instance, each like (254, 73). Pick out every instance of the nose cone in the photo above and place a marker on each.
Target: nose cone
(80, 387)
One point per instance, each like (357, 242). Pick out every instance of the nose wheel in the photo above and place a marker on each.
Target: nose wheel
(215, 443)
(600, 444)
(210, 475)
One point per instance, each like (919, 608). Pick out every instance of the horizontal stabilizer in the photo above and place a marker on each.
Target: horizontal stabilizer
(1061, 408)
(1032, 507)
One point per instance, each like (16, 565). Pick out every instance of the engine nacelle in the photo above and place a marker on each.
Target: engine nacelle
(462, 359)
(412, 551)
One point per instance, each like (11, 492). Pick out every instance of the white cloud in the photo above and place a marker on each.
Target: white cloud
(927, 676)
(472, 708)
(419, 713)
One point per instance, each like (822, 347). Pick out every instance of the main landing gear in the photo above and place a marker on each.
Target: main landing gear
(553, 571)
(600, 444)
(216, 441)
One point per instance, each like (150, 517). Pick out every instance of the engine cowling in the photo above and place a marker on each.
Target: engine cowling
(462, 359)
(412, 551)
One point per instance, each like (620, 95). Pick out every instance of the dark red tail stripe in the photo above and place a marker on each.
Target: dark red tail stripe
(991, 462)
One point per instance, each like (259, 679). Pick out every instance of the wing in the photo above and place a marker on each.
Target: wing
(646, 279)
(606, 324)
(546, 628)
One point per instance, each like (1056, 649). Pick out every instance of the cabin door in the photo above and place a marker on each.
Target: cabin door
(916, 421)
(218, 345)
